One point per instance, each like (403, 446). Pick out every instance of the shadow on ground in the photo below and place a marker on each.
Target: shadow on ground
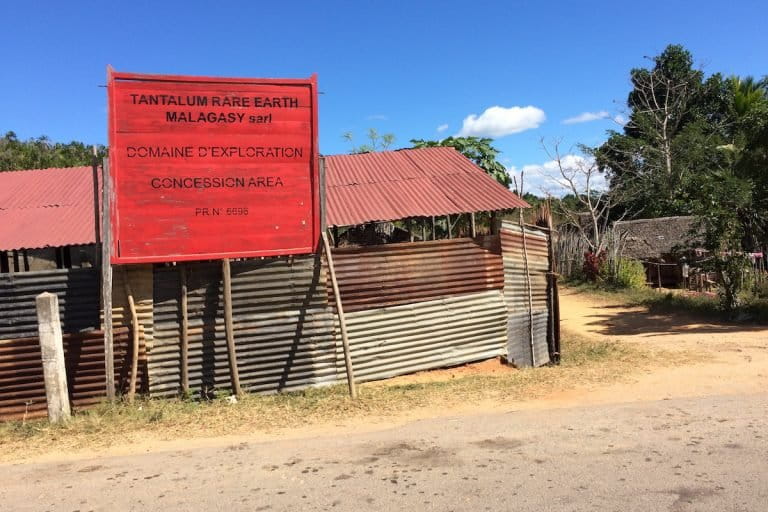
(642, 321)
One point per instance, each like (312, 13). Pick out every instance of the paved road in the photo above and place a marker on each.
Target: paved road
(673, 455)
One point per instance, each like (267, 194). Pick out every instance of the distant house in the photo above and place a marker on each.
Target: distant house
(664, 240)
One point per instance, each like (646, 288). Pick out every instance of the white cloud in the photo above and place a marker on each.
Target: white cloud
(500, 121)
(586, 117)
(545, 178)
(620, 119)
(442, 128)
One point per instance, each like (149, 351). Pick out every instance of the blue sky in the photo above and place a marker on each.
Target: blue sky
(406, 68)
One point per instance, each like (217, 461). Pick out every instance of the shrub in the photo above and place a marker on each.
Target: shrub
(760, 286)
(630, 274)
(593, 263)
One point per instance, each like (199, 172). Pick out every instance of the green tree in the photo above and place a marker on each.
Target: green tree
(41, 153)
(477, 149)
(676, 121)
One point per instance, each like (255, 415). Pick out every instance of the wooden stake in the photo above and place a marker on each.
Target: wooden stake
(230, 328)
(448, 225)
(52, 351)
(342, 320)
(184, 330)
(658, 274)
(528, 289)
(472, 224)
(106, 282)
(135, 328)
(554, 297)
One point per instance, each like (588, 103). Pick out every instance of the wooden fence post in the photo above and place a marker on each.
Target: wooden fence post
(184, 329)
(342, 319)
(52, 351)
(230, 328)
(658, 274)
(135, 328)
(106, 281)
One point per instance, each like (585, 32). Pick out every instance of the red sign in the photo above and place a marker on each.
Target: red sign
(207, 168)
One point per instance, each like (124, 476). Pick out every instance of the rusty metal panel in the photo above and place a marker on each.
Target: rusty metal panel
(396, 340)
(516, 294)
(22, 387)
(283, 326)
(389, 185)
(47, 208)
(387, 275)
(77, 290)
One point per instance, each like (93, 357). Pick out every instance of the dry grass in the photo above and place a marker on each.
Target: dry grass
(585, 361)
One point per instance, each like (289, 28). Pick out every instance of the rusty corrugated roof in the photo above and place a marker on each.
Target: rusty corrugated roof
(421, 182)
(46, 208)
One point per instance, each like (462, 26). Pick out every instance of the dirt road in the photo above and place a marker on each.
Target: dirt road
(734, 357)
(683, 455)
(688, 437)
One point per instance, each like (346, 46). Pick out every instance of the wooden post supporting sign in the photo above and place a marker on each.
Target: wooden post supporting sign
(230, 328)
(184, 330)
(135, 328)
(106, 282)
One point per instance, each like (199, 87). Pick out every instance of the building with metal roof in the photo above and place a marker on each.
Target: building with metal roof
(47, 208)
(55, 207)
(425, 182)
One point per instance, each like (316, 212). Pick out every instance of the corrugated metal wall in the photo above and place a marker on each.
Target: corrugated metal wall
(22, 388)
(410, 307)
(418, 306)
(77, 290)
(388, 275)
(283, 326)
(396, 340)
(516, 294)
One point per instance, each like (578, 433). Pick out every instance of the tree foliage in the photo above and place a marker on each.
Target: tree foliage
(676, 121)
(376, 142)
(477, 149)
(42, 153)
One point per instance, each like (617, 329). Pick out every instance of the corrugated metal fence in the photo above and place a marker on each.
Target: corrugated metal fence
(524, 321)
(77, 290)
(22, 388)
(387, 275)
(418, 306)
(411, 306)
(282, 324)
